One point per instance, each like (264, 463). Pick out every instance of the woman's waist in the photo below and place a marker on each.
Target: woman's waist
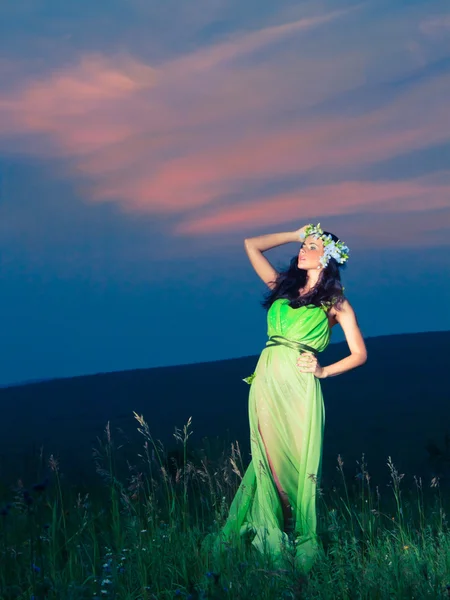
(299, 346)
(273, 361)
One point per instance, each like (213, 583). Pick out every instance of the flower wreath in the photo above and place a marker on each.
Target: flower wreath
(337, 250)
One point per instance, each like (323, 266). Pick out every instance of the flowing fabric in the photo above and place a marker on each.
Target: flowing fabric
(287, 417)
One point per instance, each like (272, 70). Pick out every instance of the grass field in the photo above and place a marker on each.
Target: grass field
(138, 534)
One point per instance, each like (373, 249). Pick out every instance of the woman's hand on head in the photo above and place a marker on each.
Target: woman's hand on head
(300, 231)
(307, 363)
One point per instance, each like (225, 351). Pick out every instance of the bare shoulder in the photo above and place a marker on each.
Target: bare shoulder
(345, 310)
(347, 319)
(345, 306)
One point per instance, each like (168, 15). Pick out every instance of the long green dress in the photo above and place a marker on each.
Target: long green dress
(287, 417)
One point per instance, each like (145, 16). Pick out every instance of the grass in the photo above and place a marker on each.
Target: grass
(139, 535)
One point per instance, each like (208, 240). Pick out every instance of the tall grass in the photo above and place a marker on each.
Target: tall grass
(139, 535)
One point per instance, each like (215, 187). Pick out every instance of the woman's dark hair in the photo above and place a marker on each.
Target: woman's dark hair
(327, 291)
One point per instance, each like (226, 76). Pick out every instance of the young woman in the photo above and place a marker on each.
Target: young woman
(277, 494)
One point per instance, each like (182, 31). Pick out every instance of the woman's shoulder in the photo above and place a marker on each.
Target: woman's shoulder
(341, 309)
(336, 303)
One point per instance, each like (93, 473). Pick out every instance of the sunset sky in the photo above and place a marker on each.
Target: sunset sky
(142, 141)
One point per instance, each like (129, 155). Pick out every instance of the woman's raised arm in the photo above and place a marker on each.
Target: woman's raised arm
(255, 247)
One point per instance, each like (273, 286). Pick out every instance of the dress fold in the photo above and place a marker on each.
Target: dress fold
(286, 418)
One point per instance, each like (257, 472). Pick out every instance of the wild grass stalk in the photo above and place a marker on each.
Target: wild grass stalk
(139, 535)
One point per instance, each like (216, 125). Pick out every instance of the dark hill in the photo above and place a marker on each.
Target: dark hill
(397, 404)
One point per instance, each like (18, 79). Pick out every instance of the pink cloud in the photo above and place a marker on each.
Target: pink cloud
(197, 130)
(251, 42)
(327, 201)
(436, 25)
(200, 178)
(67, 105)
(421, 229)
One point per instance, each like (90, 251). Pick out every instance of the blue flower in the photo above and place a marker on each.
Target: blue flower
(40, 487)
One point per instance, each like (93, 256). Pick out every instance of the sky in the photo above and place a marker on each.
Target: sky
(141, 142)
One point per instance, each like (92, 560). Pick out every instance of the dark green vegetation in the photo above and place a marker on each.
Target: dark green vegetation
(126, 519)
(139, 537)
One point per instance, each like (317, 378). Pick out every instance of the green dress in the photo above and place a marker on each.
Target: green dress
(287, 417)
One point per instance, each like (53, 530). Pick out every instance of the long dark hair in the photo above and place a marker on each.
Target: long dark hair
(327, 292)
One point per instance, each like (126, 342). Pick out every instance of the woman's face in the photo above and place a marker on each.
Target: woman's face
(310, 253)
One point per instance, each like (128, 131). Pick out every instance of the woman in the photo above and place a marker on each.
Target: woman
(277, 494)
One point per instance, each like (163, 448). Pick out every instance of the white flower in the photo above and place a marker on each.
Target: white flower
(337, 250)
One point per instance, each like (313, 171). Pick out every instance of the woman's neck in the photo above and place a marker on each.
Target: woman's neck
(312, 278)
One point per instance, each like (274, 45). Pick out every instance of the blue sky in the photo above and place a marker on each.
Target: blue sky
(140, 142)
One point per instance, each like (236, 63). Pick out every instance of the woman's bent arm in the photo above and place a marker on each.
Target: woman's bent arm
(358, 353)
(255, 247)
